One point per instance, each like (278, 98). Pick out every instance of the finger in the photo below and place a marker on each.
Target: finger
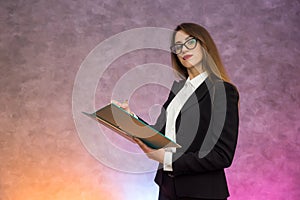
(142, 145)
(138, 141)
(135, 140)
(122, 105)
(125, 104)
(116, 102)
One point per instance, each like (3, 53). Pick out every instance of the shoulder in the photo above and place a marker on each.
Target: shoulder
(217, 82)
(228, 87)
(177, 85)
(179, 82)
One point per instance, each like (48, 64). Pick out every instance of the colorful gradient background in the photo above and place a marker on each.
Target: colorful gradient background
(43, 43)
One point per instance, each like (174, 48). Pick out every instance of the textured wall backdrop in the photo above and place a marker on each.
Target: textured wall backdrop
(43, 43)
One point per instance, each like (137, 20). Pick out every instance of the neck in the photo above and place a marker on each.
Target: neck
(194, 71)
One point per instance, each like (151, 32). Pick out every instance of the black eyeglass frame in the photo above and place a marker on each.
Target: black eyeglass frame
(184, 44)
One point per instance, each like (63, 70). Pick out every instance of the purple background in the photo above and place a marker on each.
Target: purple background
(43, 43)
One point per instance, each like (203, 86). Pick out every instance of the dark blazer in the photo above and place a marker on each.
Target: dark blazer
(198, 167)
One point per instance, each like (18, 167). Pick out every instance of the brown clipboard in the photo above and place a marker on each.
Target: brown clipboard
(128, 126)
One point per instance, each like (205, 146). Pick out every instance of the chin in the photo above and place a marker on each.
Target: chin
(187, 65)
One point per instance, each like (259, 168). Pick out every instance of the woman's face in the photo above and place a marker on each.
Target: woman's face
(188, 57)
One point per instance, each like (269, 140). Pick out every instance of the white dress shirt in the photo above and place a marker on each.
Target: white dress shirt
(173, 111)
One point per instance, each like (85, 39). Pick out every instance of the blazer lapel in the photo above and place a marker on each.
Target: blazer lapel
(178, 86)
(198, 94)
(175, 89)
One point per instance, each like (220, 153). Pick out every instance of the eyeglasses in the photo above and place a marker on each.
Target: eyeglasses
(189, 44)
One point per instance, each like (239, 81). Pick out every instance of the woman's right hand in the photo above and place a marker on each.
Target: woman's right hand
(123, 105)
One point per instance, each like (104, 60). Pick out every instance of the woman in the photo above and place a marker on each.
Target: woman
(201, 114)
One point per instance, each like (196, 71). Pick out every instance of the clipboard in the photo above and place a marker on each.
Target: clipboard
(120, 121)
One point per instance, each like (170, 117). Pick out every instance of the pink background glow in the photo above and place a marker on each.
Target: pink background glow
(43, 43)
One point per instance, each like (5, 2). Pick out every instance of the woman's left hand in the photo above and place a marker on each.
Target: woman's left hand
(154, 154)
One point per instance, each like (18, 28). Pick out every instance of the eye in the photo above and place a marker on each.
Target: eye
(177, 47)
(191, 42)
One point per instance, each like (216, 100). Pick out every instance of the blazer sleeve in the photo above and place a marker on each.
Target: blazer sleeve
(221, 154)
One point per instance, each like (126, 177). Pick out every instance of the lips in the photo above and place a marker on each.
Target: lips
(187, 57)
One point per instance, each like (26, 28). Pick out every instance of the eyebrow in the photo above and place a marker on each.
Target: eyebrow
(184, 39)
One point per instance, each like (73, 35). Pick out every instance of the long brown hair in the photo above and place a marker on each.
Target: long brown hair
(211, 59)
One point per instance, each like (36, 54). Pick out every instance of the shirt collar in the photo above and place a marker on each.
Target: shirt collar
(196, 81)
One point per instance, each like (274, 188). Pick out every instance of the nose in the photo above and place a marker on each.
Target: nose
(184, 49)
